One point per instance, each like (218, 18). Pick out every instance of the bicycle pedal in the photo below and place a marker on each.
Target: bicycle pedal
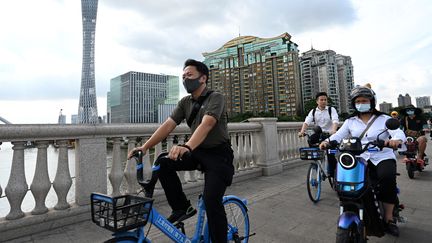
(180, 226)
(401, 219)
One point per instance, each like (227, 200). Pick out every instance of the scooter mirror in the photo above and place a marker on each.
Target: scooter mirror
(392, 124)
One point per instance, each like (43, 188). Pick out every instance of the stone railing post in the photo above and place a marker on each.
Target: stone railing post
(41, 183)
(90, 168)
(116, 173)
(17, 186)
(130, 170)
(62, 181)
(268, 154)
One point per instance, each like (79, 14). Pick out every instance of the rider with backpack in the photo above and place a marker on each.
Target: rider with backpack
(325, 117)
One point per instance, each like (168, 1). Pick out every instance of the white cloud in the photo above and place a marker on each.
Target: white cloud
(41, 44)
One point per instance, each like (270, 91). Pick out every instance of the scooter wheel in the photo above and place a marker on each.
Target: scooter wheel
(410, 170)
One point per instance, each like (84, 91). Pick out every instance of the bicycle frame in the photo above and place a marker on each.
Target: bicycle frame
(320, 163)
(201, 233)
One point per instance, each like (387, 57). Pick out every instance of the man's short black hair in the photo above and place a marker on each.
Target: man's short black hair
(201, 67)
(320, 94)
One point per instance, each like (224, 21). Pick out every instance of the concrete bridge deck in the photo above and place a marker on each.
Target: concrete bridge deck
(280, 211)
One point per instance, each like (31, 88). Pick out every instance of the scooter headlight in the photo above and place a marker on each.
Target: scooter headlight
(347, 161)
(410, 140)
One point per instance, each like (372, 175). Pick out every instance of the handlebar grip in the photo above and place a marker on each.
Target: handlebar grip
(332, 151)
(137, 154)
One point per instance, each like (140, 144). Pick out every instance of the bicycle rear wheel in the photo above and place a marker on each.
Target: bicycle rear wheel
(313, 181)
(238, 221)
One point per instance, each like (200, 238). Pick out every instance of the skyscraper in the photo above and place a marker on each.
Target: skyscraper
(61, 118)
(423, 101)
(134, 97)
(386, 107)
(404, 101)
(257, 75)
(345, 72)
(87, 111)
(329, 72)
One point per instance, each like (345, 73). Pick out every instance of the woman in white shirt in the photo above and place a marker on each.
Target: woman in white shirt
(382, 164)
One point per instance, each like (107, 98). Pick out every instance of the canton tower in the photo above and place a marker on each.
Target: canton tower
(87, 111)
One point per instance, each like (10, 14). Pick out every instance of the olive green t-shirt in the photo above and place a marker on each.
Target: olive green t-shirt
(213, 105)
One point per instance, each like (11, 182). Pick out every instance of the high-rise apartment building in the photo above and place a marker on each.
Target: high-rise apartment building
(386, 107)
(345, 81)
(404, 101)
(329, 72)
(134, 97)
(423, 101)
(87, 110)
(74, 119)
(257, 75)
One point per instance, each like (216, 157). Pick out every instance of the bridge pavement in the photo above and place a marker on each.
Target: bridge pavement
(280, 211)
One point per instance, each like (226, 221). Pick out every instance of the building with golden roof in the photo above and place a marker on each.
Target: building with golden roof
(257, 75)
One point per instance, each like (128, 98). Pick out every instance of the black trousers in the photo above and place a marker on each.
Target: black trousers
(217, 165)
(385, 174)
(331, 158)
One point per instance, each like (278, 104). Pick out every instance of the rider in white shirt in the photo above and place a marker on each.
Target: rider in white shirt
(322, 115)
(325, 117)
(382, 164)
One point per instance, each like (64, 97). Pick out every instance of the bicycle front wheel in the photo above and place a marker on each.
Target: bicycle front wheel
(238, 221)
(313, 182)
(122, 239)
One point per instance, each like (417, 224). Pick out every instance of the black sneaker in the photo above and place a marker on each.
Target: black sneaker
(180, 215)
(148, 193)
(391, 228)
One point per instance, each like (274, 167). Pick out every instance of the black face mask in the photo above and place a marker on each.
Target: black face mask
(191, 84)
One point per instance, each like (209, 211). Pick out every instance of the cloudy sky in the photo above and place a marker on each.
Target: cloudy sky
(389, 41)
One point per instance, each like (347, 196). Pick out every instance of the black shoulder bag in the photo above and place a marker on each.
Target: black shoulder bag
(196, 107)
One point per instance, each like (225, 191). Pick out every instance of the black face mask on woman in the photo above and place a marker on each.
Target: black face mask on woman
(191, 84)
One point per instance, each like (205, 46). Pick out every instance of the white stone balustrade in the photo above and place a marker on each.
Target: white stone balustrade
(116, 173)
(62, 181)
(261, 147)
(41, 183)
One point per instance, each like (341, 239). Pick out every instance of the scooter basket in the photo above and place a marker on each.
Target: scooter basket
(120, 213)
(311, 153)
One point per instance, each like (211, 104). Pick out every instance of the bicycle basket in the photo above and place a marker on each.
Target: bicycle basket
(311, 153)
(120, 213)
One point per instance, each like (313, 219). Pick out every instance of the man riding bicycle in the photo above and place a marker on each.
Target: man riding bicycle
(209, 147)
(414, 124)
(327, 118)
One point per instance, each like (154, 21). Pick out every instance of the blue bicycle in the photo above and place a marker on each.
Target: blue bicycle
(127, 216)
(317, 172)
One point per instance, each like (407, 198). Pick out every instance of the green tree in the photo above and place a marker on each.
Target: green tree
(241, 117)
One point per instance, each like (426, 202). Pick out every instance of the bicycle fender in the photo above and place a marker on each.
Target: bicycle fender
(348, 218)
(232, 197)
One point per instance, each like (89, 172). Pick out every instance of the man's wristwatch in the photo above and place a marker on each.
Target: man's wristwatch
(186, 146)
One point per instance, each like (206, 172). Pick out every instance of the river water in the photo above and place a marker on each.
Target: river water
(30, 155)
